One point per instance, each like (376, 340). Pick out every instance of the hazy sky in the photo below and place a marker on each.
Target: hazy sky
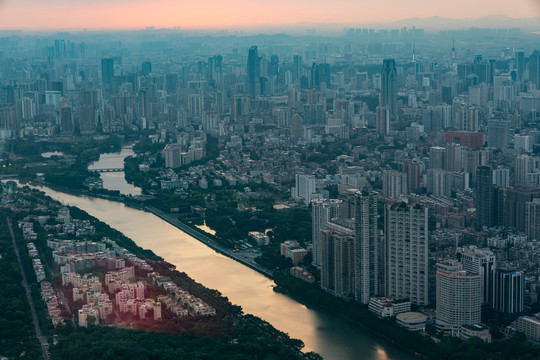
(115, 14)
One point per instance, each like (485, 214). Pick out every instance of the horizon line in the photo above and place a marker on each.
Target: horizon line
(299, 25)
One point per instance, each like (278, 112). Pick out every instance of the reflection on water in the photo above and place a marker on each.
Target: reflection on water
(205, 228)
(331, 336)
(115, 180)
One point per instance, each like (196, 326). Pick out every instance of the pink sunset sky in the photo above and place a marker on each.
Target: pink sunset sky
(197, 14)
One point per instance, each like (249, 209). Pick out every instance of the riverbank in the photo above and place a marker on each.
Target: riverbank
(208, 241)
(171, 219)
(229, 331)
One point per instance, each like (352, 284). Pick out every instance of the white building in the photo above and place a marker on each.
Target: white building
(394, 184)
(171, 153)
(407, 252)
(305, 188)
(458, 298)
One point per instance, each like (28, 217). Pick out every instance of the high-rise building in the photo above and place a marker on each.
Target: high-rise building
(498, 133)
(532, 219)
(195, 105)
(253, 72)
(394, 184)
(484, 197)
(389, 86)
(501, 177)
(534, 68)
(273, 68)
(453, 157)
(144, 103)
(407, 233)
(305, 187)
(107, 71)
(520, 64)
(66, 119)
(297, 126)
(467, 118)
(297, 66)
(322, 211)
(366, 245)
(523, 143)
(458, 298)
(522, 165)
(320, 73)
(383, 115)
(439, 182)
(413, 168)
(437, 157)
(337, 267)
(146, 68)
(515, 205)
(482, 262)
(87, 105)
(215, 69)
(509, 293)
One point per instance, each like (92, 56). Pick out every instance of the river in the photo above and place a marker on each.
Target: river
(115, 180)
(331, 336)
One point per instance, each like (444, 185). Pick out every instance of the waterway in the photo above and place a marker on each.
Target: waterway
(331, 336)
(115, 180)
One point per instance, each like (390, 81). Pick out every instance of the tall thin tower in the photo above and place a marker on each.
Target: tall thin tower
(389, 86)
(366, 245)
(253, 72)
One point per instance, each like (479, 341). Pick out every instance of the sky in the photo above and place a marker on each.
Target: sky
(199, 14)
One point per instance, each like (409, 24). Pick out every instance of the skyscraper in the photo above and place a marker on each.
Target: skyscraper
(532, 219)
(458, 298)
(484, 197)
(534, 68)
(297, 66)
(322, 211)
(394, 184)
(407, 251)
(215, 69)
(66, 119)
(337, 255)
(520, 64)
(522, 165)
(87, 105)
(509, 292)
(389, 86)
(253, 72)
(482, 262)
(366, 245)
(273, 68)
(304, 187)
(383, 115)
(107, 71)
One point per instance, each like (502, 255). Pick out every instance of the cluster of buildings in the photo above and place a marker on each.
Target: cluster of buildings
(413, 259)
(428, 147)
(48, 294)
(123, 290)
(178, 300)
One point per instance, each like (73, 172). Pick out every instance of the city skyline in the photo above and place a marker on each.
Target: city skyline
(213, 14)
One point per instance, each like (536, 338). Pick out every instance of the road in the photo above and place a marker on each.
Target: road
(39, 335)
(64, 301)
(171, 219)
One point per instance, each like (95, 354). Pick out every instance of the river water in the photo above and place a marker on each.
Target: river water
(332, 337)
(115, 180)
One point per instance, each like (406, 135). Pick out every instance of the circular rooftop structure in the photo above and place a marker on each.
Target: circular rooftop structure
(413, 321)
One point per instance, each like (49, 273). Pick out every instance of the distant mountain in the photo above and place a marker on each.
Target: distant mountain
(443, 23)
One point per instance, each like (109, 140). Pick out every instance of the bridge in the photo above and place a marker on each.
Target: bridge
(108, 170)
